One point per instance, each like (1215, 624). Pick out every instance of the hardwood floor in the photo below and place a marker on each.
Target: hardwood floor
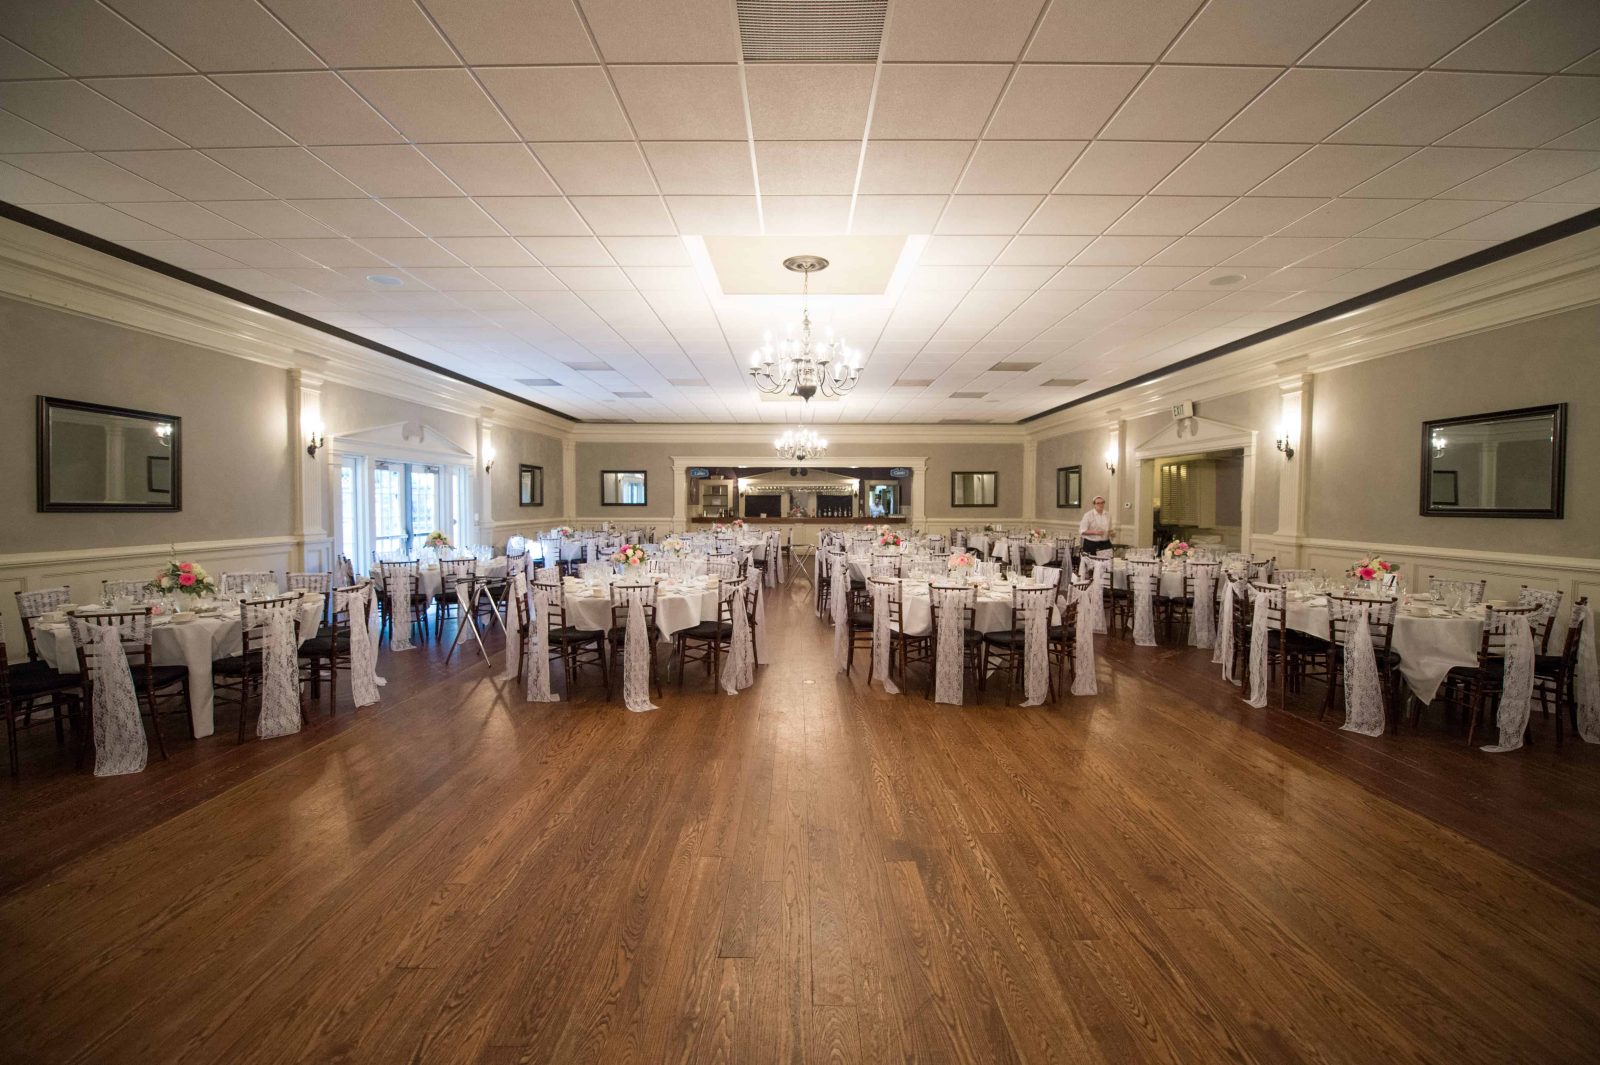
(809, 872)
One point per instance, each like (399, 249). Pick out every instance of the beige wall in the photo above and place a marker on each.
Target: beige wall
(236, 451)
(513, 447)
(1366, 431)
(1086, 448)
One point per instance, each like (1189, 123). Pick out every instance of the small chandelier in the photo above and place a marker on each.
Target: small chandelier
(805, 365)
(800, 445)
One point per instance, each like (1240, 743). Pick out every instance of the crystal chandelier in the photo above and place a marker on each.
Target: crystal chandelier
(799, 445)
(805, 365)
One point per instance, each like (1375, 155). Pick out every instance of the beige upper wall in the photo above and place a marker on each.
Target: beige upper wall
(236, 432)
(1365, 447)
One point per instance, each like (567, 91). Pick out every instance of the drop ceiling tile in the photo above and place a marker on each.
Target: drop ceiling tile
(441, 105)
(1027, 278)
(1168, 215)
(448, 278)
(592, 278)
(1431, 171)
(1176, 102)
(1279, 251)
(589, 109)
(987, 214)
(286, 172)
(913, 166)
(418, 251)
(188, 174)
(1428, 254)
(547, 31)
(313, 107)
(1232, 278)
(1227, 169)
(576, 251)
(702, 167)
(684, 31)
(835, 98)
(1257, 216)
(1345, 217)
(101, 221)
(967, 251)
(634, 251)
(1404, 34)
(630, 216)
(1155, 278)
(192, 109)
(188, 220)
(1358, 251)
(1200, 251)
(890, 215)
(1049, 102)
(1585, 137)
(1584, 189)
(1544, 35)
(959, 31)
(1089, 31)
(683, 102)
(89, 175)
(366, 33)
(253, 40)
(803, 168)
(1247, 31)
(357, 218)
(257, 282)
(805, 214)
(1515, 220)
(1308, 105)
(1553, 107)
(20, 187)
(74, 112)
(1331, 170)
(1019, 166)
(614, 168)
(1429, 106)
(491, 169)
(474, 251)
(389, 170)
(1120, 251)
(1123, 167)
(521, 278)
(935, 101)
(715, 215)
(181, 253)
(1077, 215)
(664, 279)
(268, 218)
(1432, 217)
(85, 39)
(17, 63)
(19, 135)
(338, 253)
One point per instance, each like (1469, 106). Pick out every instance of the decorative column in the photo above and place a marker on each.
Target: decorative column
(680, 495)
(309, 475)
(484, 496)
(569, 481)
(919, 489)
(1030, 481)
(1294, 418)
(1121, 524)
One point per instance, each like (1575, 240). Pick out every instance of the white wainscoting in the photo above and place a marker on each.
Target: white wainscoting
(83, 570)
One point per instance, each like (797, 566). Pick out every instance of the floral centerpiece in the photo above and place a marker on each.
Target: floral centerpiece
(889, 539)
(738, 523)
(672, 544)
(1372, 568)
(631, 555)
(186, 578)
(564, 531)
(1037, 536)
(437, 540)
(1178, 549)
(960, 562)
(717, 527)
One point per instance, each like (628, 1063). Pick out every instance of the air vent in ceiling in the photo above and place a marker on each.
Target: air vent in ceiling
(968, 395)
(811, 31)
(1063, 382)
(631, 395)
(591, 367)
(1012, 367)
(538, 382)
(912, 382)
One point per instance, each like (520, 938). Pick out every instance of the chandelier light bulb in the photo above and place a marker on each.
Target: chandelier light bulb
(807, 363)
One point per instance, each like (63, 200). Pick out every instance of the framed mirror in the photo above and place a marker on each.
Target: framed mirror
(530, 486)
(1505, 464)
(1069, 486)
(97, 458)
(622, 488)
(973, 488)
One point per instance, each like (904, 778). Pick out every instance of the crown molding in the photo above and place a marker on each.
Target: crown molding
(744, 434)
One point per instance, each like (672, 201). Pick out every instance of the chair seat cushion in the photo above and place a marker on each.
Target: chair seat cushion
(708, 630)
(321, 646)
(861, 619)
(1003, 638)
(572, 634)
(29, 679)
(1300, 641)
(161, 676)
(1548, 665)
(236, 665)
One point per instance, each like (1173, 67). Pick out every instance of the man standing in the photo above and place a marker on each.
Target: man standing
(1095, 528)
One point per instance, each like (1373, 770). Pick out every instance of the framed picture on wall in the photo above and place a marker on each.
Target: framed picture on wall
(158, 475)
(530, 486)
(1446, 490)
(1069, 486)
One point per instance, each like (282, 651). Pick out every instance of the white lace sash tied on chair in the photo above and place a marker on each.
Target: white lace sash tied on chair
(1036, 645)
(519, 600)
(1222, 652)
(400, 587)
(840, 601)
(119, 742)
(1144, 623)
(1083, 665)
(538, 664)
(1363, 694)
(950, 668)
(1259, 635)
(280, 677)
(1586, 682)
(364, 679)
(1202, 622)
(740, 670)
(1516, 686)
(881, 637)
(636, 654)
(1101, 568)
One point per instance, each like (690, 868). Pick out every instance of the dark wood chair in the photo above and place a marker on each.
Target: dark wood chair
(27, 685)
(708, 641)
(393, 574)
(153, 684)
(1006, 651)
(452, 573)
(622, 598)
(577, 648)
(958, 602)
(1344, 614)
(1555, 677)
(1064, 637)
(327, 654)
(240, 678)
(1476, 688)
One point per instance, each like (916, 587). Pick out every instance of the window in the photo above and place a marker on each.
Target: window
(408, 504)
(351, 522)
(622, 488)
(973, 488)
(1069, 486)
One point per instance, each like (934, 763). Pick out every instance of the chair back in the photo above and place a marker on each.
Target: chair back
(1470, 591)
(1569, 651)
(958, 601)
(550, 550)
(320, 583)
(623, 596)
(1192, 572)
(1290, 576)
(244, 581)
(1145, 570)
(34, 604)
(1263, 569)
(886, 565)
(391, 570)
(1344, 612)
(548, 575)
(1277, 602)
(722, 567)
(133, 626)
(1025, 603)
(1549, 604)
(255, 616)
(1139, 553)
(452, 573)
(113, 590)
(1497, 628)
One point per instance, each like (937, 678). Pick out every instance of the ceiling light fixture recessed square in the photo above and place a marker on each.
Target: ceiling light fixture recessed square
(589, 367)
(1012, 367)
(539, 382)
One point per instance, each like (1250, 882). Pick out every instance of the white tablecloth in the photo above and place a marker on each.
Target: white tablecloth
(991, 611)
(1429, 647)
(430, 580)
(195, 644)
(1171, 578)
(677, 608)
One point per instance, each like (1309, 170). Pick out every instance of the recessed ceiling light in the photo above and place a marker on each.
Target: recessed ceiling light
(1012, 367)
(1226, 279)
(385, 279)
(538, 382)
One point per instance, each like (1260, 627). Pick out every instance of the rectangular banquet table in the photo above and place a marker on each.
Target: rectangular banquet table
(195, 644)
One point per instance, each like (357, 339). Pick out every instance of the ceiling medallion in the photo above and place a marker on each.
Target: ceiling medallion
(803, 365)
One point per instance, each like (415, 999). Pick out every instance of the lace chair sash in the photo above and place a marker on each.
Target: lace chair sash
(1142, 578)
(1034, 604)
(1202, 622)
(636, 648)
(1516, 686)
(119, 742)
(882, 592)
(1586, 682)
(1087, 596)
(1363, 695)
(280, 675)
(949, 613)
(1222, 654)
(400, 587)
(740, 671)
(840, 601)
(514, 648)
(538, 667)
(1259, 635)
(364, 679)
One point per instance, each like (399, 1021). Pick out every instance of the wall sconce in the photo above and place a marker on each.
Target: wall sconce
(1111, 459)
(1285, 441)
(315, 437)
(163, 433)
(488, 457)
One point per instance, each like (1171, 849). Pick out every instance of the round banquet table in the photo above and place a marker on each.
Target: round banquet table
(1429, 646)
(991, 610)
(1171, 578)
(430, 581)
(195, 644)
(678, 607)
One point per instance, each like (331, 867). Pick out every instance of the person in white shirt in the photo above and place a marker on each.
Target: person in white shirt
(1095, 528)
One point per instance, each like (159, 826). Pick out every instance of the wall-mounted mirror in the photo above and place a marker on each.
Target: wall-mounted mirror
(530, 486)
(97, 458)
(1506, 464)
(622, 488)
(973, 488)
(1069, 486)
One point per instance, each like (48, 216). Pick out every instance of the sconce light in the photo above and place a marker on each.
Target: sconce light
(315, 438)
(1286, 439)
(1111, 459)
(488, 457)
(1439, 444)
(164, 433)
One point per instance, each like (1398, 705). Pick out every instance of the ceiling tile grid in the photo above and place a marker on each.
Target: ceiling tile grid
(514, 189)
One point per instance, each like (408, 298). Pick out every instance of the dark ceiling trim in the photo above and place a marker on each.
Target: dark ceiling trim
(89, 240)
(1567, 227)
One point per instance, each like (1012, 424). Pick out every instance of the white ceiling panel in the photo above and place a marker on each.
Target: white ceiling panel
(547, 31)
(89, 175)
(1090, 31)
(74, 112)
(1404, 34)
(192, 109)
(588, 109)
(935, 101)
(1018, 166)
(1062, 102)
(389, 170)
(1227, 169)
(313, 107)
(835, 108)
(439, 105)
(1177, 102)
(188, 174)
(21, 187)
(366, 33)
(1308, 105)
(1124, 166)
(1331, 170)
(1543, 35)
(85, 38)
(1429, 106)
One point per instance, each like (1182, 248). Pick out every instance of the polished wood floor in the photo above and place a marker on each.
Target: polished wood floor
(809, 872)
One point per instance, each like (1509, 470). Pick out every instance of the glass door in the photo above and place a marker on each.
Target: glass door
(407, 505)
(422, 489)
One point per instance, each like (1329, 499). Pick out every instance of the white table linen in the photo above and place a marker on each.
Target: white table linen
(678, 607)
(1429, 647)
(430, 579)
(991, 611)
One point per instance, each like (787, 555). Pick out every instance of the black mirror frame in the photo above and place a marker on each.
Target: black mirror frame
(1069, 504)
(42, 458)
(1558, 464)
(969, 473)
(644, 482)
(535, 496)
